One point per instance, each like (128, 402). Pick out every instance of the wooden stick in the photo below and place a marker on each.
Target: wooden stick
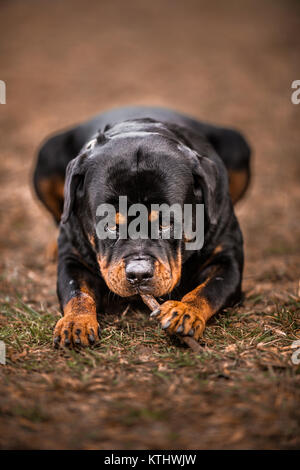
(152, 303)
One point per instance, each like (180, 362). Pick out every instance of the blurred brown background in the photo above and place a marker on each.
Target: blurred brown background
(230, 62)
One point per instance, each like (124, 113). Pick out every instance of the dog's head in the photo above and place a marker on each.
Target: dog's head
(151, 164)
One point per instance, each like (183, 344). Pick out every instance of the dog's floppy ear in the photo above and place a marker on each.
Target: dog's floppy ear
(208, 183)
(205, 174)
(74, 176)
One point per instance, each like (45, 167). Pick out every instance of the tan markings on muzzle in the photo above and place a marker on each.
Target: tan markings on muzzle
(164, 278)
(168, 276)
(115, 276)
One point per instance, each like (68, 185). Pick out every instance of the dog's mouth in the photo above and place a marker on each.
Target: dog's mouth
(144, 289)
(143, 275)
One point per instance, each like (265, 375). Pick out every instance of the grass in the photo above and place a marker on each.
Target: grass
(24, 327)
(141, 376)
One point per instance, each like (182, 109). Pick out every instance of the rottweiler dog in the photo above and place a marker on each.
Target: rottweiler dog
(150, 155)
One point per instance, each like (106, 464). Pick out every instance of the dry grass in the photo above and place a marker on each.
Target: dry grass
(241, 390)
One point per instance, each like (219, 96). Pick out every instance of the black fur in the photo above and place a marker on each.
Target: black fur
(150, 155)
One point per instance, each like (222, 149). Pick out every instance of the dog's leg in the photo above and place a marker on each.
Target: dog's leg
(220, 286)
(78, 292)
(79, 325)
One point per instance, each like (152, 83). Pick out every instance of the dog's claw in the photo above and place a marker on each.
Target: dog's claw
(155, 313)
(67, 340)
(166, 325)
(91, 338)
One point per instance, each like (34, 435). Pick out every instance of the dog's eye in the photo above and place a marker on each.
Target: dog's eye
(111, 228)
(165, 228)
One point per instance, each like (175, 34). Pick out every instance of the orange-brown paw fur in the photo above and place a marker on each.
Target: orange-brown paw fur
(76, 330)
(181, 318)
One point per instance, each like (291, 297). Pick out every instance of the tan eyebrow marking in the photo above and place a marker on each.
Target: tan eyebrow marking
(120, 218)
(153, 216)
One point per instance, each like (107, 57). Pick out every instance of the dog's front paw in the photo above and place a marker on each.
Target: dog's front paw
(76, 330)
(180, 318)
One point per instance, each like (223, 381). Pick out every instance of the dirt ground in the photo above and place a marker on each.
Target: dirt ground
(227, 62)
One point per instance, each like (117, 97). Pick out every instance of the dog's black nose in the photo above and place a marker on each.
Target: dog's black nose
(139, 270)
